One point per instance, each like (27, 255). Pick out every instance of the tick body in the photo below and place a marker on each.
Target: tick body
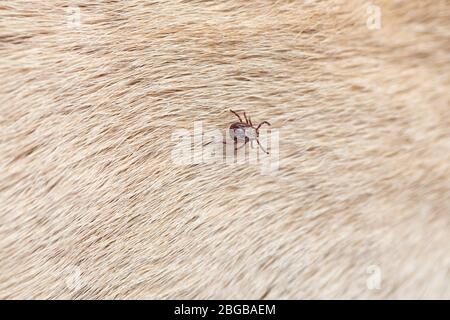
(245, 131)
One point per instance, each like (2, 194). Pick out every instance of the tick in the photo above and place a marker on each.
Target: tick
(245, 131)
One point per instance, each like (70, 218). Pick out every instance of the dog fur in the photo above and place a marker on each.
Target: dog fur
(92, 205)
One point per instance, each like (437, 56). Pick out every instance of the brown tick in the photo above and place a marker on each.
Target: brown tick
(245, 131)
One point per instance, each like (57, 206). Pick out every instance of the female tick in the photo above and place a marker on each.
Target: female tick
(245, 131)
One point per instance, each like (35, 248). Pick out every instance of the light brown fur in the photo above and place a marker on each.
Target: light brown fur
(92, 205)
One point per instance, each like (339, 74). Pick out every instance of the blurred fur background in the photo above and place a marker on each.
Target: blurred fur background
(93, 206)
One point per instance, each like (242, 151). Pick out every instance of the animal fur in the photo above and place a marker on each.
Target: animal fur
(92, 204)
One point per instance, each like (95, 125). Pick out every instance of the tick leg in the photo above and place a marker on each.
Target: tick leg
(235, 143)
(250, 121)
(264, 122)
(243, 145)
(261, 146)
(246, 120)
(240, 120)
